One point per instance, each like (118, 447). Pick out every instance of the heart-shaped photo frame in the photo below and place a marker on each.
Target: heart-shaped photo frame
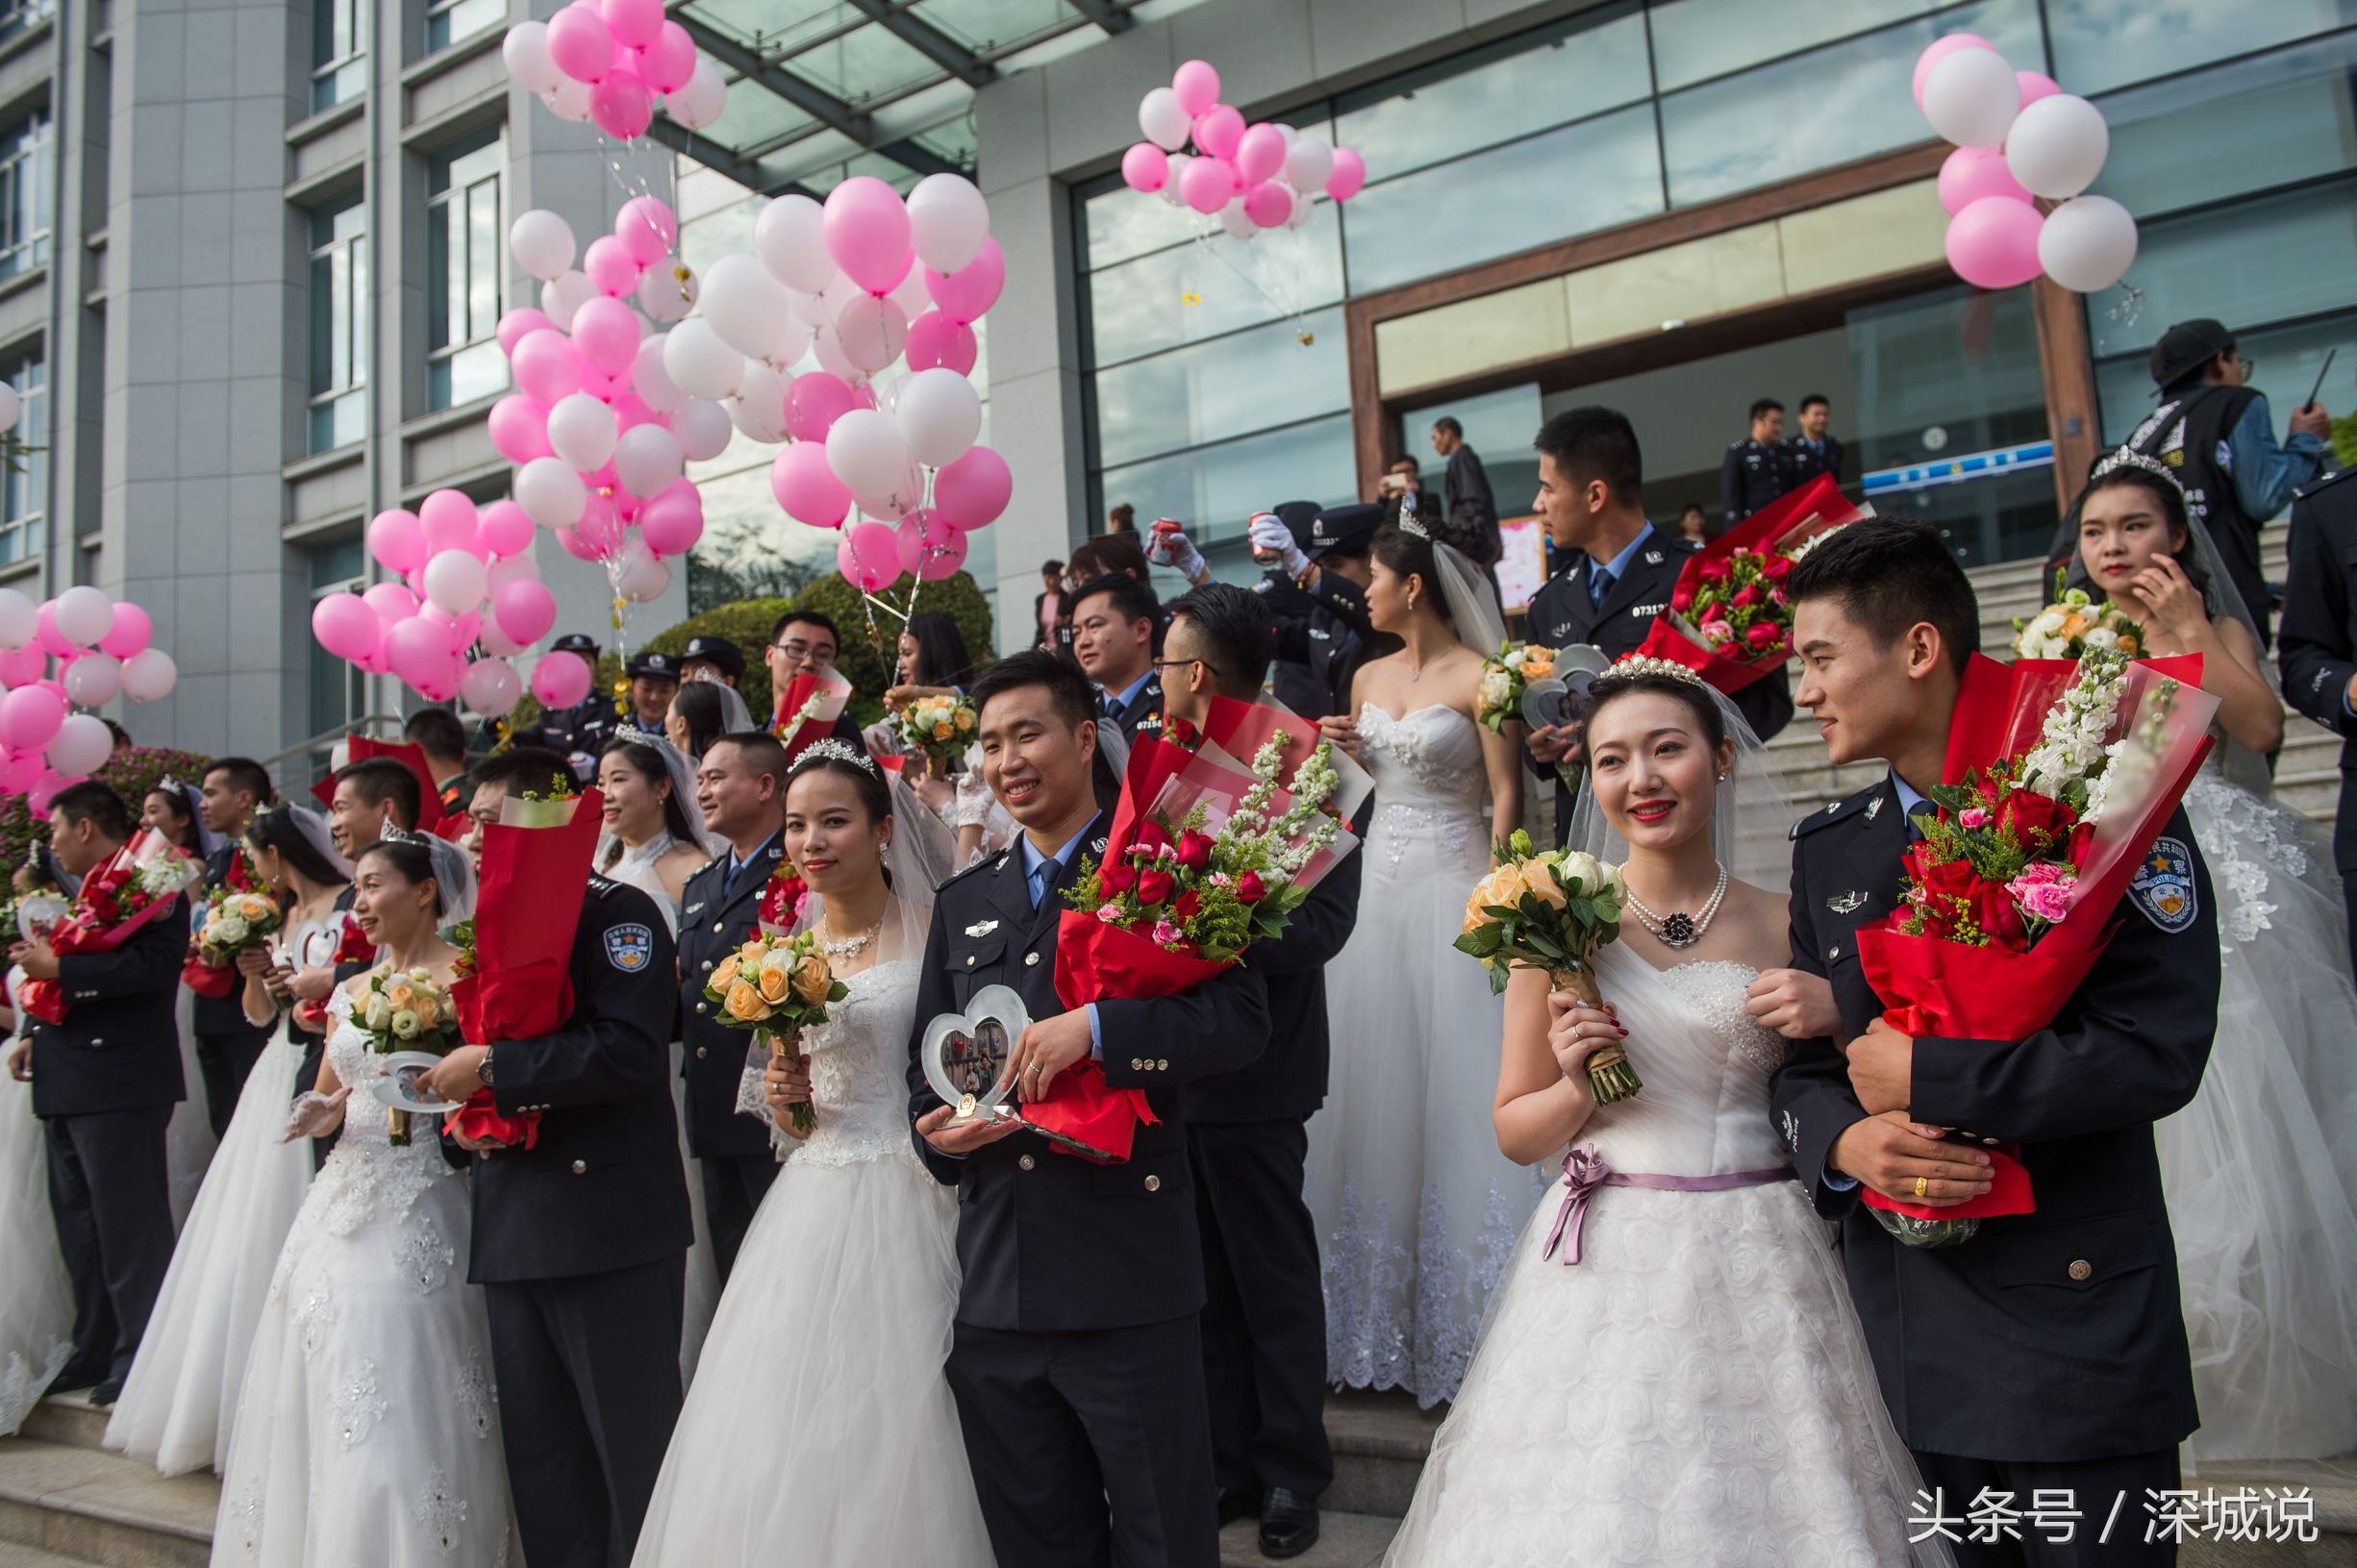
(1556, 700)
(399, 1088)
(965, 1054)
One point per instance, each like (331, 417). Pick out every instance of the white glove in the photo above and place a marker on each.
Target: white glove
(1270, 537)
(1174, 548)
(315, 1115)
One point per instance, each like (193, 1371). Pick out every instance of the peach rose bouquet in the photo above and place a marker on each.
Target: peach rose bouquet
(777, 986)
(1551, 912)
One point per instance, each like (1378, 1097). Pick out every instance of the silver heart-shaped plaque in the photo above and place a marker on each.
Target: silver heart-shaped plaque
(965, 1054)
(399, 1088)
(1556, 700)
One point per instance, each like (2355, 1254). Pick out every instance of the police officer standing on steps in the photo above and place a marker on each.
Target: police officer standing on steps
(578, 732)
(654, 680)
(1317, 592)
(741, 788)
(1756, 469)
(2318, 647)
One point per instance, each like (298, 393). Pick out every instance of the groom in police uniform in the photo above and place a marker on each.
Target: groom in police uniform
(1075, 1363)
(2047, 1353)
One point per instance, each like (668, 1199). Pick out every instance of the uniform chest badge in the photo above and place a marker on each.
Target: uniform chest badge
(1847, 903)
(629, 948)
(982, 928)
(2164, 887)
(1654, 558)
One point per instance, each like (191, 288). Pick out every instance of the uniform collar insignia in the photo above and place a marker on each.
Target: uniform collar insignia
(1654, 558)
(982, 928)
(1847, 903)
(1871, 806)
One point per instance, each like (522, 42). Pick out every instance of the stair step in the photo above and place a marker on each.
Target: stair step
(67, 1420)
(13, 1556)
(101, 1508)
(1379, 1441)
(1344, 1540)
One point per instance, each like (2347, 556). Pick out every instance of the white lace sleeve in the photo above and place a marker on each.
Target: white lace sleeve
(339, 1005)
(753, 1099)
(974, 799)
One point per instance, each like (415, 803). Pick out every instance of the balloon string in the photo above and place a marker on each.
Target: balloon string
(1290, 313)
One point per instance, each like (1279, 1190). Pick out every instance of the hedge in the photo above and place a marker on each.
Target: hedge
(132, 771)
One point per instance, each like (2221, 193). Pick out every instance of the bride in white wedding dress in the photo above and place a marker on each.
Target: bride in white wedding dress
(819, 1427)
(1672, 1372)
(367, 1431)
(36, 1298)
(1415, 1207)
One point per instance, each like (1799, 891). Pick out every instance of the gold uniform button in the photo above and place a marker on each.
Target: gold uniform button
(1030, 960)
(1025, 1162)
(581, 1167)
(1153, 1183)
(2081, 1268)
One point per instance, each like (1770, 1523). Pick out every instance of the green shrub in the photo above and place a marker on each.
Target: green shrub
(132, 771)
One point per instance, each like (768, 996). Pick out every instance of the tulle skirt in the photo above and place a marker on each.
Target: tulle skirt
(187, 1141)
(36, 1299)
(819, 1427)
(179, 1403)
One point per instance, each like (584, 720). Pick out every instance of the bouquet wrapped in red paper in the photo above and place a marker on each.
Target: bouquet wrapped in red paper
(1729, 621)
(212, 967)
(1205, 856)
(137, 884)
(2060, 776)
(808, 708)
(518, 982)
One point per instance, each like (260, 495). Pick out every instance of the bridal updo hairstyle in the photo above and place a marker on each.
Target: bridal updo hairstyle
(698, 706)
(412, 861)
(277, 828)
(1609, 688)
(1407, 555)
(647, 763)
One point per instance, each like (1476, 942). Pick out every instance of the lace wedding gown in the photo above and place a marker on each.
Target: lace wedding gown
(2260, 1170)
(1415, 1209)
(36, 1297)
(1695, 1390)
(367, 1431)
(179, 1403)
(819, 1427)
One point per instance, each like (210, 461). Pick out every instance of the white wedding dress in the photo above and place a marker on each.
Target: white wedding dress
(368, 1430)
(819, 1427)
(36, 1297)
(1695, 1390)
(179, 1404)
(2260, 1170)
(1415, 1209)
(188, 1139)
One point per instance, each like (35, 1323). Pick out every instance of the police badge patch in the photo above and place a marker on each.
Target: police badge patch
(629, 948)
(2164, 887)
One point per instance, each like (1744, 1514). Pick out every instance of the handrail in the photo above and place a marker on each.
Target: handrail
(327, 739)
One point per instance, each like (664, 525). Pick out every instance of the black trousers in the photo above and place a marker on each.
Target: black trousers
(589, 1393)
(1088, 1449)
(1264, 1311)
(2094, 1487)
(733, 1185)
(223, 1061)
(111, 1191)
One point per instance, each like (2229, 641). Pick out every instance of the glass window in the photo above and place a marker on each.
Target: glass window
(339, 52)
(994, 24)
(1550, 187)
(24, 483)
(2105, 44)
(2274, 259)
(2286, 117)
(863, 63)
(339, 325)
(1222, 388)
(21, 15)
(1215, 491)
(1697, 40)
(465, 257)
(2287, 361)
(1498, 427)
(25, 169)
(1122, 224)
(1211, 288)
(1825, 108)
(449, 21)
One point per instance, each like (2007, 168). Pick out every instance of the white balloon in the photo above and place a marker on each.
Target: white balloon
(1309, 163)
(872, 332)
(1972, 96)
(948, 220)
(865, 450)
(701, 101)
(1232, 218)
(1170, 191)
(701, 365)
(888, 508)
(19, 620)
(454, 582)
(495, 643)
(582, 431)
(525, 49)
(12, 406)
(744, 305)
(790, 238)
(513, 570)
(93, 679)
(543, 243)
(792, 344)
(812, 309)
(912, 295)
(1289, 134)
(651, 379)
(646, 459)
(759, 408)
(491, 685)
(149, 675)
(2088, 243)
(667, 290)
(81, 746)
(639, 574)
(564, 294)
(2056, 147)
(82, 615)
(939, 413)
(703, 429)
(831, 357)
(1305, 207)
(550, 492)
(1162, 121)
(569, 101)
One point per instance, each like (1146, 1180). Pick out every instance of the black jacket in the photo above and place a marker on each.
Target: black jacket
(1751, 475)
(1469, 519)
(709, 929)
(1143, 713)
(1324, 636)
(120, 1046)
(1803, 463)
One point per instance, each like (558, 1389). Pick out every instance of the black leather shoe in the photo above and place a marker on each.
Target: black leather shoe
(1289, 1523)
(111, 1390)
(1238, 1502)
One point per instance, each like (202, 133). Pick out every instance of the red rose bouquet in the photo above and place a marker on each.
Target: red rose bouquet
(138, 883)
(783, 899)
(1729, 621)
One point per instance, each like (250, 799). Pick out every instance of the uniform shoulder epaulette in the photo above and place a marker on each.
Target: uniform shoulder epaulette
(2323, 482)
(989, 862)
(1837, 811)
(601, 886)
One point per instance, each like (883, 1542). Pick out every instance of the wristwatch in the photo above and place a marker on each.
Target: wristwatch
(482, 1068)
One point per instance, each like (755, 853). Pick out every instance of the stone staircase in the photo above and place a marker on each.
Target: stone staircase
(66, 1504)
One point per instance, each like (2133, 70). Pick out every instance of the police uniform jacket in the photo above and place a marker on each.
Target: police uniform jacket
(118, 1048)
(1324, 636)
(1142, 714)
(2049, 1336)
(1803, 463)
(2317, 646)
(1751, 475)
(1049, 1240)
(602, 1189)
(711, 927)
(579, 731)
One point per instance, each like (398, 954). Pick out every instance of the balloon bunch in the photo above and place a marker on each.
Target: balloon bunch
(2019, 136)
(1253, 177)
(103, 648)
(612, 62)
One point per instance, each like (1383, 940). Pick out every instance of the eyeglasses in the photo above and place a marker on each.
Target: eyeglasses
(1178, 663)
(821, 652)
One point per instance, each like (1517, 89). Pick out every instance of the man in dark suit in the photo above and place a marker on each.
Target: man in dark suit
(1467, 514)
(581, 1242)
(227, 1046)
(104, 1085)
(1114, 622)
(1076, 1361)
(741, 788)
(2318, 647)
(1247, 1136)
(1755, 470)
(1318, 593)
(1816, 450)
(1620, 571)
(2049, 1351)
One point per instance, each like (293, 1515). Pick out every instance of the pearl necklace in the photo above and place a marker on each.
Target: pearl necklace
(1678, 929)
(849, 945)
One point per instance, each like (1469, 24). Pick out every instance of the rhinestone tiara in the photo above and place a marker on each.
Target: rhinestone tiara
(1635, 665)
(2128, 458)
(1411, 523)
(839, 750)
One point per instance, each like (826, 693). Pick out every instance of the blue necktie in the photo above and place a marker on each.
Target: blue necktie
(1040, 875)
(728, 883)
(1108, 705)
(1599, 583)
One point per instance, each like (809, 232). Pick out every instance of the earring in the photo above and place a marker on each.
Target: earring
(1723, 777)
(1411, 598)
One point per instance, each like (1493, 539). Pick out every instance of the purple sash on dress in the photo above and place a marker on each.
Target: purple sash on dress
(1584, 1171)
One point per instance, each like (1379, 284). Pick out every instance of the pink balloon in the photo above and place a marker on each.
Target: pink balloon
(43, 791)
(19, 774)
(30, 717)
(621, 105)
(610, 267)
(46, 634)
(22, 666)
(869, 557)
(582, 46)
(815, 401)
(577, 547)
(520, 428)
(2035, 84)
(524, 611)
(1993, 244)
(1220, 129)
(965, 294)
(630, 409)
(418, 650)
(928, 548)
(645, 227)
(397, 541)
(935, 341)
(391, 602)
(972, 491)
(672, 520)
(131, 632)
(516, 323)
(1196, 86)
(560, 679)
(503, 529)
(867, 232)
(1269, 205)
(634, 23)
(547, 366)
(600, 526)
(806, 487)
(606, 333)
(1145, 167)
(1939, 50)
(463, 630)
(346, 627)
(449, 520)
(1973, 172)
(670, 61)
(1206, 185)
(1348, 176)
(1259, 154)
